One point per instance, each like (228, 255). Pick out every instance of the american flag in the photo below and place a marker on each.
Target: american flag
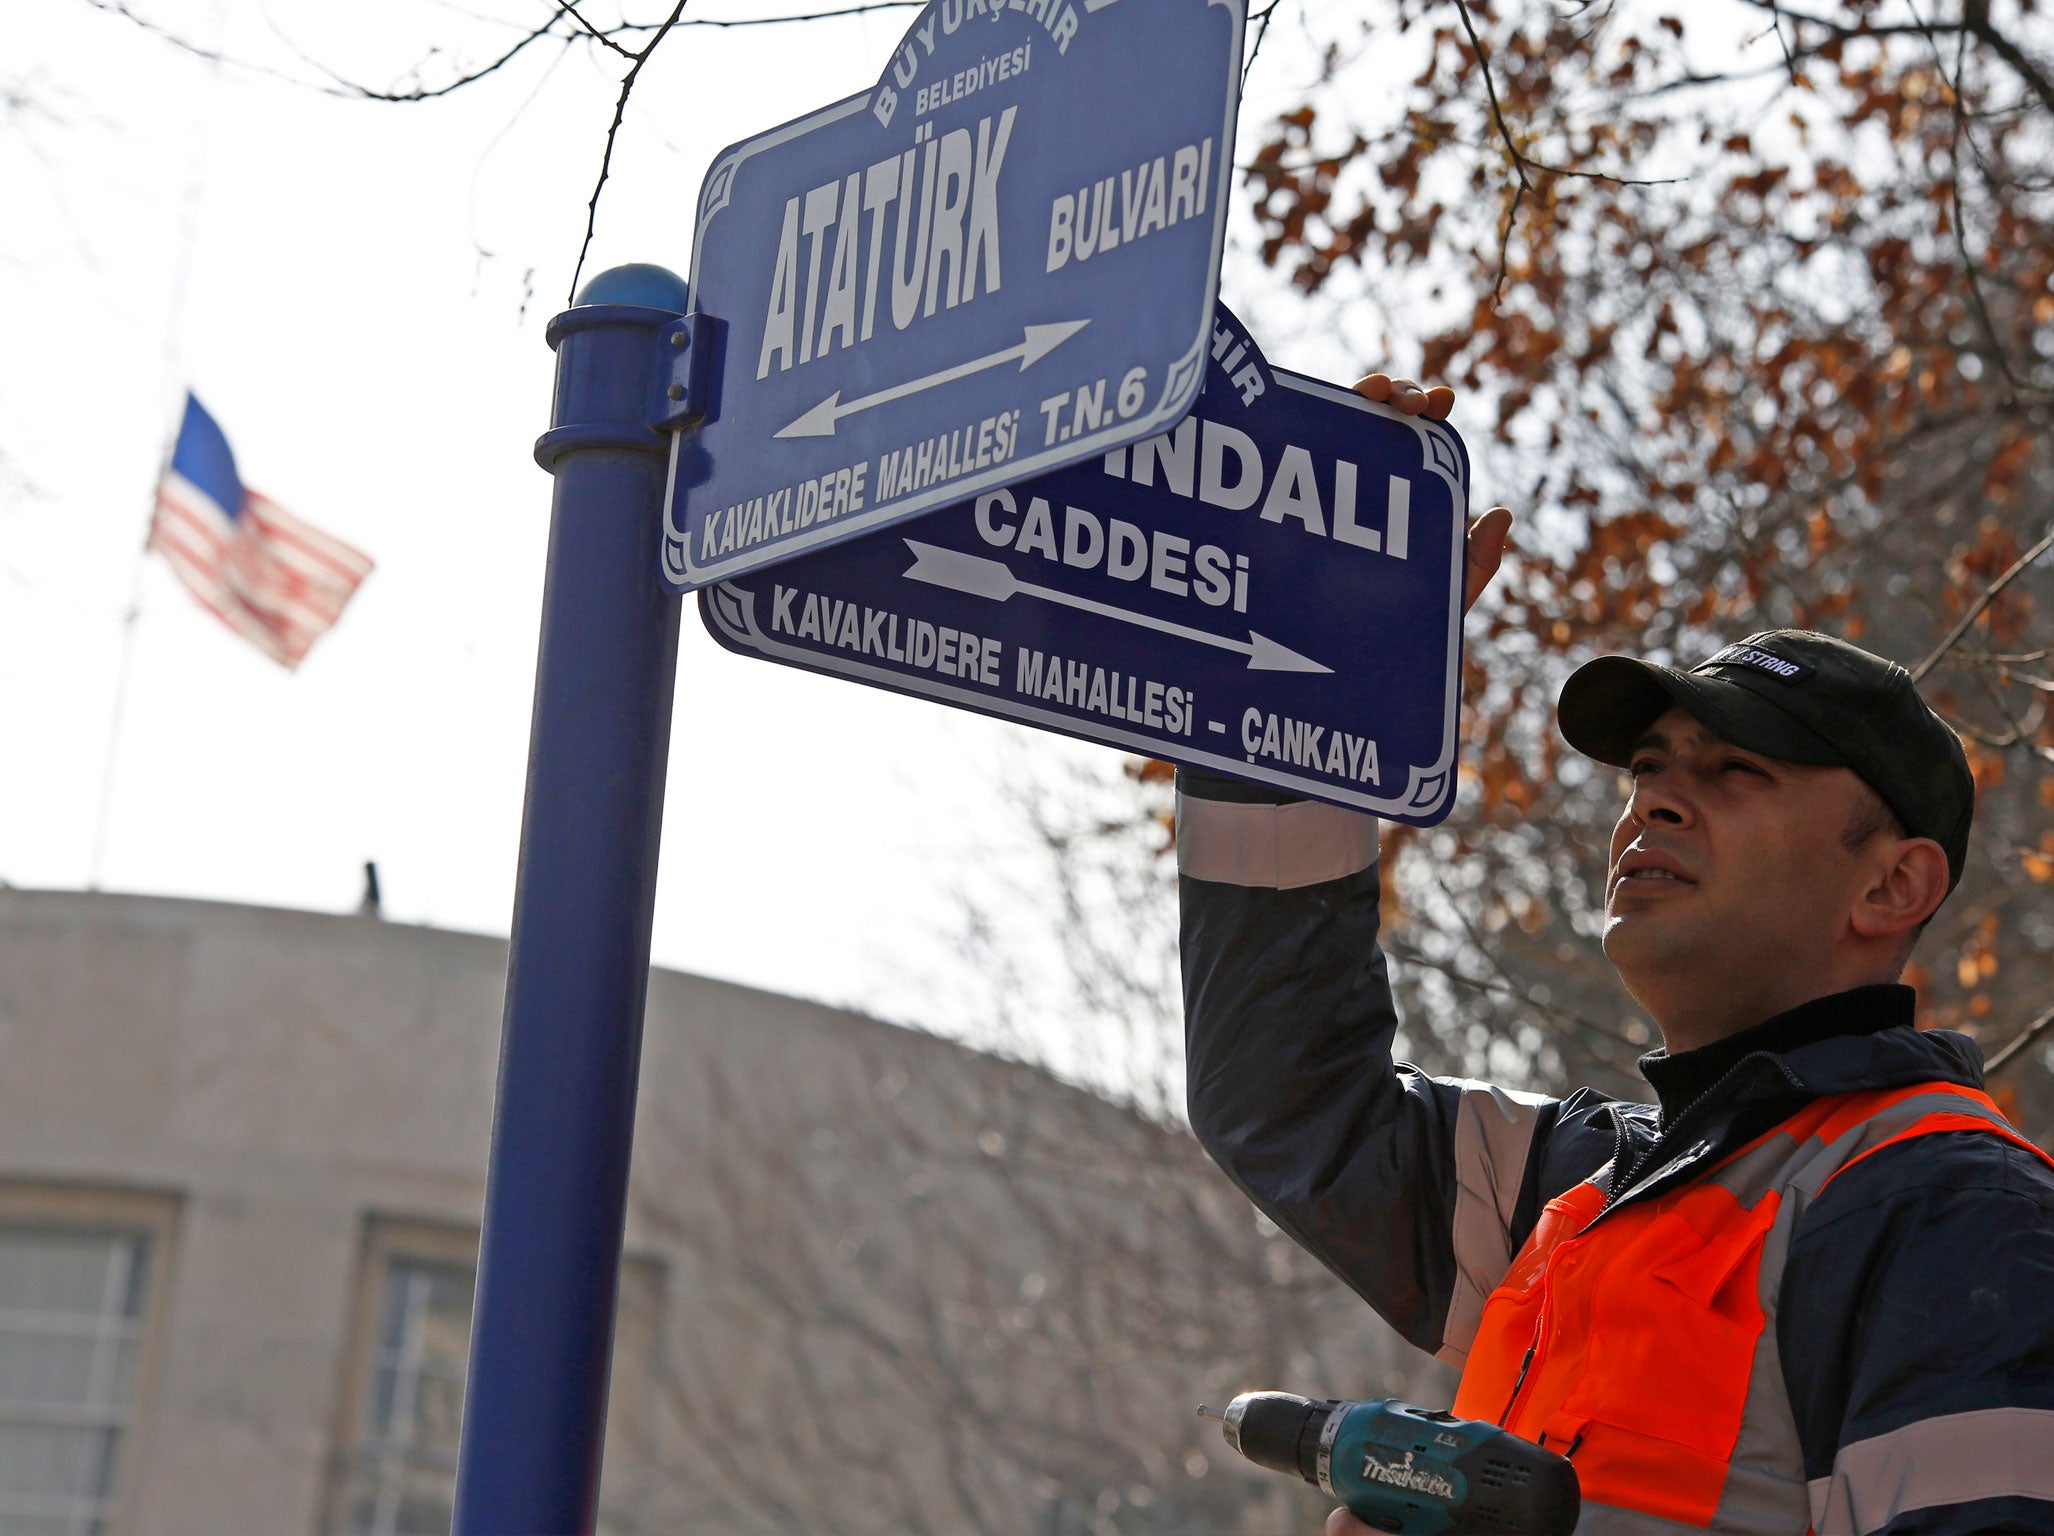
(265, 574)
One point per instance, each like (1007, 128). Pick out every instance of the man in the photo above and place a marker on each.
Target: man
(1812, 1286)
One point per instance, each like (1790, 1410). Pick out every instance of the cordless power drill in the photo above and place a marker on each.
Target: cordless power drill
(1405, 1469)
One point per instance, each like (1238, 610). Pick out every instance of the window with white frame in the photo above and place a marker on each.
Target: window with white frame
(409, 1345)
(71, 1335)
(403, 1473)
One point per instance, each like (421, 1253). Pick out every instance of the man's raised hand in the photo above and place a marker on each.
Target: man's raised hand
(1487, 538)
(1487, 535)
(1404, 395)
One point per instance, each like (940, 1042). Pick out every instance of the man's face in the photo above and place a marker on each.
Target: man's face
(1728, 879)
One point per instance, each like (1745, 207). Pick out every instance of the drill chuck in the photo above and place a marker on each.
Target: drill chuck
(1404, 1469)
(1278, 1430)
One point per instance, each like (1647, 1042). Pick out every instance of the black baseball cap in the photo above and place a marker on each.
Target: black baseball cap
(1801, 697)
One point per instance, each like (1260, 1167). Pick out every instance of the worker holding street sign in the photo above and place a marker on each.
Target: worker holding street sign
(1806, 1288)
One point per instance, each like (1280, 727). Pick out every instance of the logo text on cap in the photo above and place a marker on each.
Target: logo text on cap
(1762, 661)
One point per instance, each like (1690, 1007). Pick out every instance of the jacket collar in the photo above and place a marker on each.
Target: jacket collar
(1836, 1021)
(1722, 1096)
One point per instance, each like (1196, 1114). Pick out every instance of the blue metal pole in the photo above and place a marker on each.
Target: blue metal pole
(578, 974)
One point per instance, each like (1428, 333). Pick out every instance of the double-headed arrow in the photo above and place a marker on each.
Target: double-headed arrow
(1037, 341)
(994, 579)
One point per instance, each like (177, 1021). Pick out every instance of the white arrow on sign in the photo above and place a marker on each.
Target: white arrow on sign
(1036, 343)
(994, 579)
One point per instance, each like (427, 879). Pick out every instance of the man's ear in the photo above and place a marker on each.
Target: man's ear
(1909, 881)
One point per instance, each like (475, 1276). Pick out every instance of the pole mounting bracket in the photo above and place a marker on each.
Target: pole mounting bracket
(694, 348)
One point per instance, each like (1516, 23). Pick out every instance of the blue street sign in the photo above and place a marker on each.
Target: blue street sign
(999, 260)
(1272, 589)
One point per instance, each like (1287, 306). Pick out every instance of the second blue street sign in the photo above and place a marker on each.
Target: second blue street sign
(1270, 590)
(999, 260)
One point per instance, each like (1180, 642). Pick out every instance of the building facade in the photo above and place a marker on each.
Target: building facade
(874, 1282)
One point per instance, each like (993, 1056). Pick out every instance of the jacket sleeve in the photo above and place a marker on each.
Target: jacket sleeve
(1918, 1341)
(1404, 1185)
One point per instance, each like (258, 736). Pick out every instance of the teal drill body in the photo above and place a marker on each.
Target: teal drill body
(1408, 1470)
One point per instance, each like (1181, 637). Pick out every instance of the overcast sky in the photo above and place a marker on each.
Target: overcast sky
(366, 294)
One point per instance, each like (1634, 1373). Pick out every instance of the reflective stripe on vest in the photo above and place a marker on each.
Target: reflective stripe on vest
(1645, 1347)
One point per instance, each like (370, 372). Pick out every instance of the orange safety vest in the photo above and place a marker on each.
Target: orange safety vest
(1643, 1346)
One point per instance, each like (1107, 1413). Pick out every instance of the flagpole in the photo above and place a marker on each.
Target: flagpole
(120, 712)
(174, 362)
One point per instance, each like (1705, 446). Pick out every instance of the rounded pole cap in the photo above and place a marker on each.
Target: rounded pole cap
(639, 283)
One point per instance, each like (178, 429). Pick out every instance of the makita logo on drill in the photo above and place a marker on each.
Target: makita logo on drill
(1402, 1474)
(1761, 661)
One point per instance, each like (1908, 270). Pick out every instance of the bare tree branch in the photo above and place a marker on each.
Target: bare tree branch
(620, 108)
(566, 8)
(1975, 21)
(1969, 271)
(1261, 20)
(200, 51)
(350, 88)
(778, 21)
(2019, 1042)
(1608, 1042)
(1976, 18)
(1989, 596)
(1521, 161)
(347, 89)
